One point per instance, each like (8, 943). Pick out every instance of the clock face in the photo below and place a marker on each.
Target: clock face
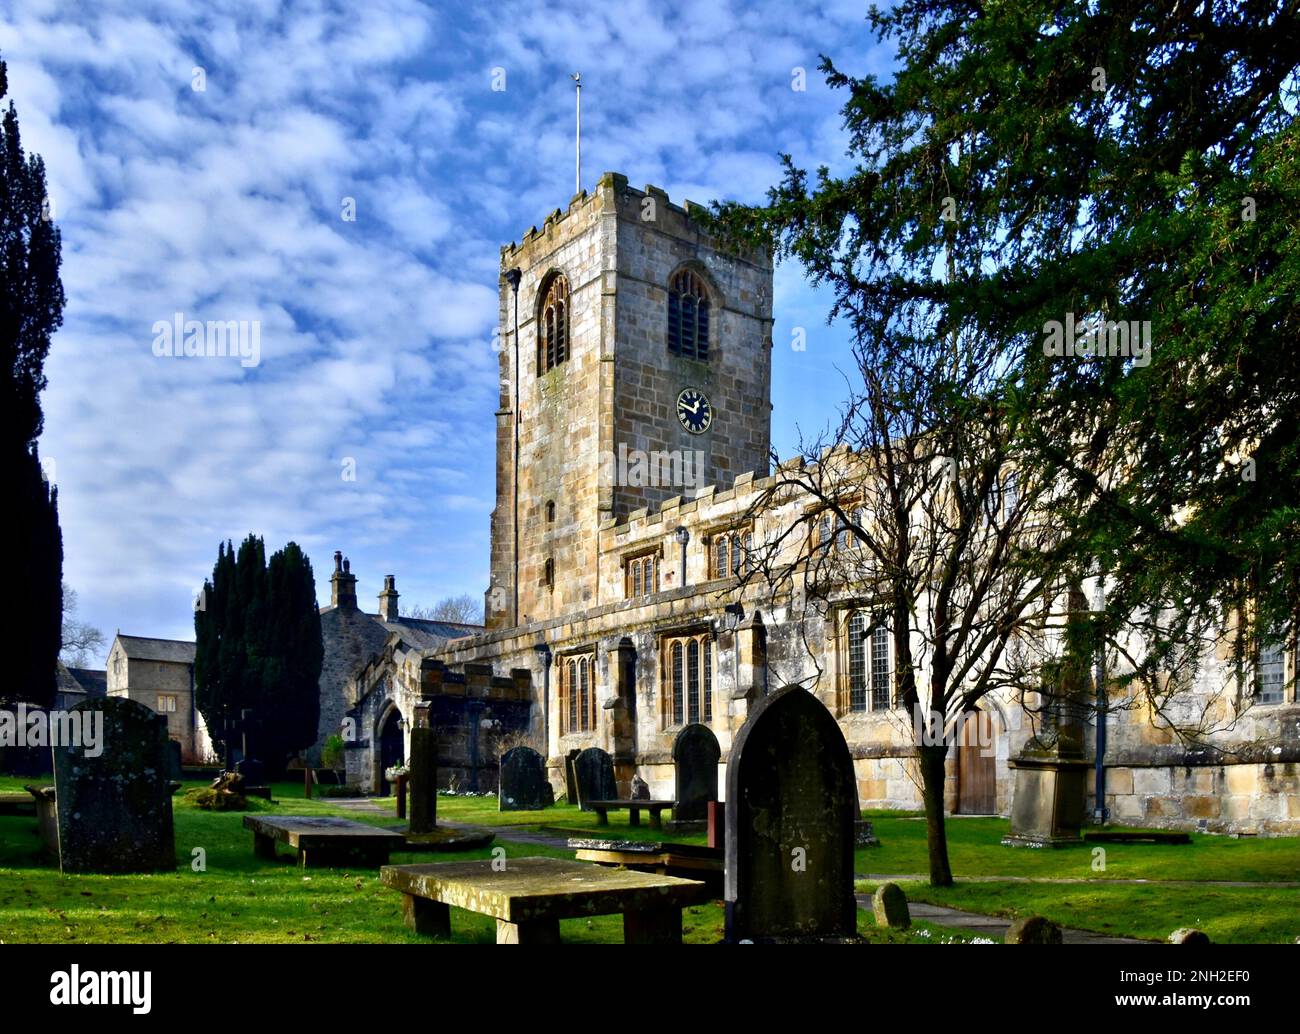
(694, 411)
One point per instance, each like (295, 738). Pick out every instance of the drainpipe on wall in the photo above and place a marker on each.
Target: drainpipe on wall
(513, 277)
(1100, 811)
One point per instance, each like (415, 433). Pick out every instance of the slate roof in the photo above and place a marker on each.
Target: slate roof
(138, 648)
(93, 681)
(425, 634)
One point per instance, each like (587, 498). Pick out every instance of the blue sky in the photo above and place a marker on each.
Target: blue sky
(226, 203)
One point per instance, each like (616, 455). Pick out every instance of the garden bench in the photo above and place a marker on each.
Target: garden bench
(322, 841)
(634, 809)
(689, 861)
(529, 896)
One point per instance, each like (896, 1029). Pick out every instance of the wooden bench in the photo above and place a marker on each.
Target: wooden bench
(634, 809)
(688, 861)
(529, 896)
(323, 841)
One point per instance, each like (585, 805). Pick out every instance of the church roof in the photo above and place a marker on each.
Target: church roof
(92, 680)
(139, 648)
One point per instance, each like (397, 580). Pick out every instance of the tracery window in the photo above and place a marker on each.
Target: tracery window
(578, 693)
(688, 316)
(553, 325)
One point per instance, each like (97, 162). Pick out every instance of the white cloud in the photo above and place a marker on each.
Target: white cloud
(226, 204)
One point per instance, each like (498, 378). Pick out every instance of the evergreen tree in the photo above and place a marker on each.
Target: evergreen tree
(1125, 164)
(258, 650)
(31, 309)
(290, 707)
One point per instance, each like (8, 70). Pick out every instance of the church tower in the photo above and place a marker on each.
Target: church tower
(635, 365)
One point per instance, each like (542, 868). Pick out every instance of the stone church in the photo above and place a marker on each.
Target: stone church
(632, 436)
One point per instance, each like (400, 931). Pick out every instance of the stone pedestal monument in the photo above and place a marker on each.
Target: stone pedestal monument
(1050, 772)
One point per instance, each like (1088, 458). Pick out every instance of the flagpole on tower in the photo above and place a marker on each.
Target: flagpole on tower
(577, 168)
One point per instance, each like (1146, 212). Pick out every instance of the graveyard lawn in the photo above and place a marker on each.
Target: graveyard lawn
(245, 900)
(975, 849)
(1229, 915)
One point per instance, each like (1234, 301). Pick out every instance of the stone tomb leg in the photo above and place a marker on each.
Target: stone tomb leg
(652, 926)
(532, 931)
(430, 918)
(264, 847)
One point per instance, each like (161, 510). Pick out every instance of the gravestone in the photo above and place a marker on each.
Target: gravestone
(593, 772)
(640, 788)
(1033, 930)
(524, 786)
(695, 760)
(173, 759)
(791, 802)
(571, 780)
(889, 906)
(423, 777)
(115, 810)
(253, 771)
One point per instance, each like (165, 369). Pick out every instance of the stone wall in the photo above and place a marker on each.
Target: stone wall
(351, 638)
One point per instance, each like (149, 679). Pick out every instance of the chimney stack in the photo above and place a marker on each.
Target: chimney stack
(388, 599)
(343, 583)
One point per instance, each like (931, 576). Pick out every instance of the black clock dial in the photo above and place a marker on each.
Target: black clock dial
(694, 411)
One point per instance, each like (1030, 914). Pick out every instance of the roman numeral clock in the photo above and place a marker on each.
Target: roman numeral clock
(694, 411)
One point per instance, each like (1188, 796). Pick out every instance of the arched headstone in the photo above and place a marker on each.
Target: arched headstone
(695, 760)
(524, 786)
(114, 801)
(791, 803)
(593, 771)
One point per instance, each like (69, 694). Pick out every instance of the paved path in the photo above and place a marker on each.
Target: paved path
(991, 927)
(876, 877)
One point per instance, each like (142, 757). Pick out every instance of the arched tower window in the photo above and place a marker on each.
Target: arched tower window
(553, 325)
(688, 316)
(550, 512)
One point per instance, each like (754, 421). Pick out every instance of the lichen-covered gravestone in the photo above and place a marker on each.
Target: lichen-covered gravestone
(791, 801)
(695, 761)
(115, 809)
(423, 782)
(593, 771)
(889, 905)
(524, 786)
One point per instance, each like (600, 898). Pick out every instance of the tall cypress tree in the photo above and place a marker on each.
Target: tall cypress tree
(290, 708)
(258, 649)
(31, 309)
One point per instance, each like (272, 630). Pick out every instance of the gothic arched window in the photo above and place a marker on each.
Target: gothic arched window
(578, 712)
(866, 663)
(688, 316)
(688, 679)
(553, 325)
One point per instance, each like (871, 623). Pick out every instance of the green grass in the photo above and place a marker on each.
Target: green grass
(1230, 915)
(242, 899)
(974, 849)
(245, 900)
